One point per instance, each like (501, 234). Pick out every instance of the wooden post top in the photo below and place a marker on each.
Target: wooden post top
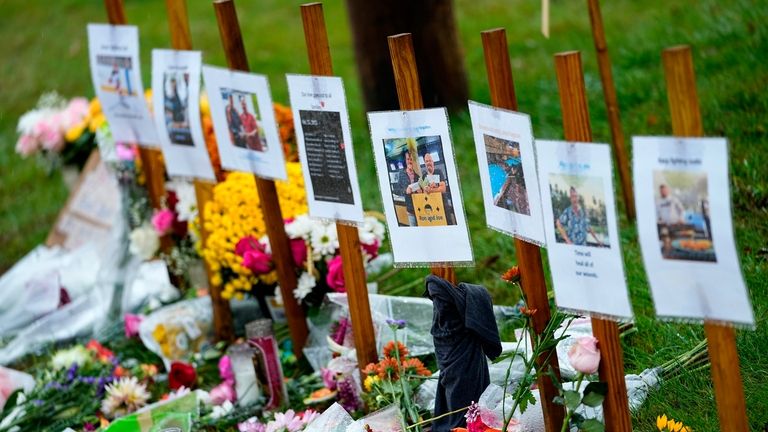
(406, 72)
(231, 37)
(573, 96)
(115, 12)
(681, 91)
(178, 22)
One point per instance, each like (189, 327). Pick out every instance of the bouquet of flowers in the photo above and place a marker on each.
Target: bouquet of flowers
(62, 130)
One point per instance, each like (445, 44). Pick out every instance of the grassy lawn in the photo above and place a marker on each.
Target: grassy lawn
(45, 48)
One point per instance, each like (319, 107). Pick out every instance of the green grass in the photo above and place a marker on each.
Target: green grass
(44, 48)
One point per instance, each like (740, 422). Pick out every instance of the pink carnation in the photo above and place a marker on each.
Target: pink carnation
(162, 221)
(49, 132)
(225, 369)
(132, 323)
(335, 276)
(124, 152)
(222, 393)
(26, 145)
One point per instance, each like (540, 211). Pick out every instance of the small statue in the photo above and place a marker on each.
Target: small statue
(465, 333)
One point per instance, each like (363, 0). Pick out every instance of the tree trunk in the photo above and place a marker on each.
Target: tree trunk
(436, 42)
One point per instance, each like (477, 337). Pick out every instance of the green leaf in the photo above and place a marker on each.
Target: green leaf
(594, 394)
(592, 425)
(572, 399)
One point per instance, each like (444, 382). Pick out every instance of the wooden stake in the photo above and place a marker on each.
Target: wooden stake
(612, 106)
(178, 22)
(409, 95)
(532, 279)
(319, 54)
(573, 102)
(686, 122)
(232, 40)
(151, 158)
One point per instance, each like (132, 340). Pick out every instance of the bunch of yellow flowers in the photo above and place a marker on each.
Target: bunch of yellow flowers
(92, 121)
(670, 425)
(234, 213)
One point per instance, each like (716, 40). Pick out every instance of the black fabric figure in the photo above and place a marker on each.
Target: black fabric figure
(465, 333)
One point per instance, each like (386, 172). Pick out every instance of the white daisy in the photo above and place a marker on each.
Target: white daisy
(304, 286)
(65, 358)
(222, 410)
(301, 227)
(186, 208)
(124, 397)
(324, 240)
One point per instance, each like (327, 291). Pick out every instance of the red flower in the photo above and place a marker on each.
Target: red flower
(181, 375)
(389, 350)
(102, 353)
(371, 369)
(372, 249)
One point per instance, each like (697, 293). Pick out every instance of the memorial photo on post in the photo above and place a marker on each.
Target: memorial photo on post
(418, 181)
(115, 75)
(578, 206)
(682, 215)
(244, 120)
(505, 167)
(175, 104)
(326, 156)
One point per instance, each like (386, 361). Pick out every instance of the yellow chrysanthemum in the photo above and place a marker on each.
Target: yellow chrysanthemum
(235, 212)
(661, 422)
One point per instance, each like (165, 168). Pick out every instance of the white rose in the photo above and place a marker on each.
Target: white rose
(144, 242)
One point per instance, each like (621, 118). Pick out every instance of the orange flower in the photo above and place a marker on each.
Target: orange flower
(389, 350)
(527, 311)
(415, 366)
(512, 275)
(371, 369)
(284, 118)
(388, 369)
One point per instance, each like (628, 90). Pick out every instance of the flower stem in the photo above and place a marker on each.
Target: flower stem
(569, 413)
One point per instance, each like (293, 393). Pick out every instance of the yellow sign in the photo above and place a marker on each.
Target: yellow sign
(429, 209)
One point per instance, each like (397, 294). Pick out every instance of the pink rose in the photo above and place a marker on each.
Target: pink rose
(26, 145)
(257, 261)
(132, 323)
(162, 221)
(372, 249)
(584, 355)
(225, 369)
(299, 251)
(222, 393)
(335, 276)
(247, 243)
(50, 134)
(124, 152)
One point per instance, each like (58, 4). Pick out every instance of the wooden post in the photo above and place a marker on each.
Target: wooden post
(151, 158)
(232, 40)
(686, 122)
(319, 54)
(573, 102)
(178, 22)
(532, 279)
(612, 106)
(409, 95)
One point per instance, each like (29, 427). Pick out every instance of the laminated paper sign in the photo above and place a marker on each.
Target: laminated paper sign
(116, 75)
(580, 224)
(325, 147)
(686, 231)
(176, 98)
(420, 187)
(504, 144)
(244, 122)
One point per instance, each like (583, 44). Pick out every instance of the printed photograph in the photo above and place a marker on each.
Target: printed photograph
(578, 204)
(418, 180)
(114, 73)
(326, 156)
(506, 171)
(244, 120)
(175, 98)
(682, 215)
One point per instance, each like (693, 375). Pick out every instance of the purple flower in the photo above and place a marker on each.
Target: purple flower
(329, 378)
(348, 396)
(397, 324)
(72, 372)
